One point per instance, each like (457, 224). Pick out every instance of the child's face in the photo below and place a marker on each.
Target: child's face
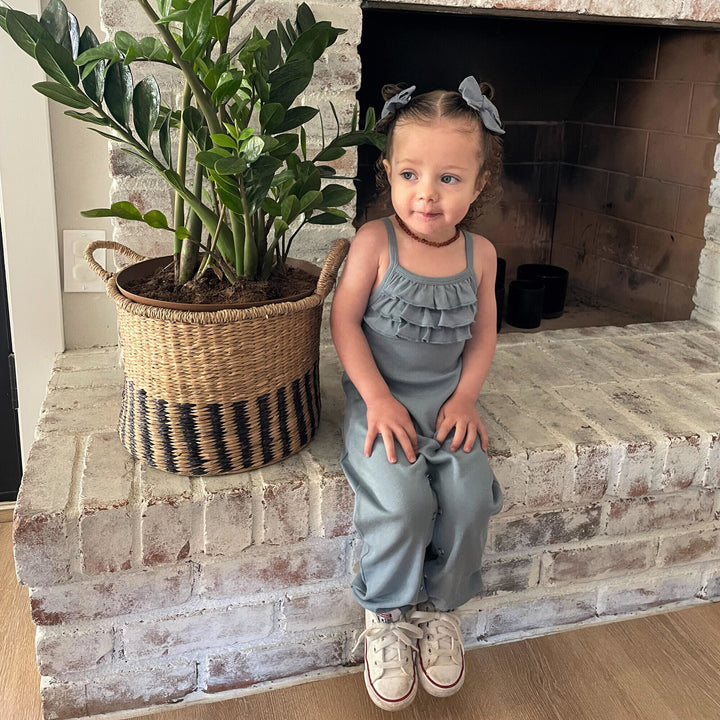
(434, 175)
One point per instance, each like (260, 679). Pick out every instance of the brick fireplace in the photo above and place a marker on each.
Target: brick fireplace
(149, 588)
(612, 117)
(611, 135)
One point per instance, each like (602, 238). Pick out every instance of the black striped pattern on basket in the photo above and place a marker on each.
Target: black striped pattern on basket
(220, 438)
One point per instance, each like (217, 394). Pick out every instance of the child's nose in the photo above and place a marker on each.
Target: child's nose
(427, 190)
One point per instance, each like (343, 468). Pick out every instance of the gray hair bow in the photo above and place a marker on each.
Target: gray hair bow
(472, 95)
(397, 101)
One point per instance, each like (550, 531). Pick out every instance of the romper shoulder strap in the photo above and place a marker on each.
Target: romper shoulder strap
(469, 249)
(392, 242)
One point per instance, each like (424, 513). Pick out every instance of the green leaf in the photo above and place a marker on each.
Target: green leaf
(311, 200)
(228, 84)
(119, 92)
(93, 81)
(74, 32)
(285, 40)
(130, 55)
(231, 200)
(57, 62)
(327, 218)
(103, 51)
(125, 210)
(208, 158)
(193, 119)
(285, 144)
(280, 226)
(124, 41)
(336, 195)
(219, 27)
(313, 42)
(289, 80)
(290, 208)
(108, 136)
(156, 219)
(88, 118)
(203, 138)
(274, 51)
(55, 20)
(63, 94)
(295, 117)
(292, 33)
(329, 154)
(271, 207)
(224, 141)
(196, 28)
(252, 149)
(146, 108)
(370, 118)
(259, 179)
(271, 115)
(232, 165)
(25, 30)
(182, 233)
(303, 142)
(305, 19)
(326, 171)
(164, 137)
(152, 49)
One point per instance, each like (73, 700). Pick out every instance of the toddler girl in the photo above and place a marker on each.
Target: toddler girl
(414, 324)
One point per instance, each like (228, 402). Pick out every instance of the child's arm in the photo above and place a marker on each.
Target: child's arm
(459, 411)
(386, 416)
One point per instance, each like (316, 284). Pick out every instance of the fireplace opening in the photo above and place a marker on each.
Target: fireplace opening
(611, 135)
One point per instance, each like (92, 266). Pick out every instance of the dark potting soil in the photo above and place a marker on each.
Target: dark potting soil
(209, 289)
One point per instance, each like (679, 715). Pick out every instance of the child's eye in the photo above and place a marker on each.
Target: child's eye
(407, 175)
(449, 179)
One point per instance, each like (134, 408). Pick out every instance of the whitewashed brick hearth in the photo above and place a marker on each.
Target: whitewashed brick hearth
(149, 588)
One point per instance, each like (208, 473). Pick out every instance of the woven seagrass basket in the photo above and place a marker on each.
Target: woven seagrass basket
(210, 393)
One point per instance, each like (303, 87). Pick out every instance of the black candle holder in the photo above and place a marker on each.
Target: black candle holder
(555, 279)
(525, 303)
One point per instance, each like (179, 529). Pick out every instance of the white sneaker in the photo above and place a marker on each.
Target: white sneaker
(441, 658)
(390, 676)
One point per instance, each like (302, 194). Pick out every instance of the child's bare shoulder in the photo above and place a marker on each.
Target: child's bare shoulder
(484, 248)
(372, 233)
(370, 241)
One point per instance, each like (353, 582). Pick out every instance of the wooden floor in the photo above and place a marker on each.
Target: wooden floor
(664, 667)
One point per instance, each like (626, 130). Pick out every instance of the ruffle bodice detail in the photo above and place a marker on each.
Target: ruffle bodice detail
(423, 309)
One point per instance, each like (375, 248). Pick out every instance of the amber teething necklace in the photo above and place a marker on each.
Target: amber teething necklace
(422, 240)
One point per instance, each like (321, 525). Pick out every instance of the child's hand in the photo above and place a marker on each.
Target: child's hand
(459, 412)
(389, 418)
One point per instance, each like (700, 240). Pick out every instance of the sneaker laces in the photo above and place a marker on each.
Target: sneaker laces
(442, 637)
(391, 642)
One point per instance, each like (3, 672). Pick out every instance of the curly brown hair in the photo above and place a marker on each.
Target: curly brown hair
(445, 104)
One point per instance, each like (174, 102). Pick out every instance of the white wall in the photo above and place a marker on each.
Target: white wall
(27, 202)
(82, 181)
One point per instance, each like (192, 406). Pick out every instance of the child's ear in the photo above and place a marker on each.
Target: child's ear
(386, 165)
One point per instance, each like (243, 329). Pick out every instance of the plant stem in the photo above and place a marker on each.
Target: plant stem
(240, 242)
(191, 245)
(205, 105)
(211, 251)
(182, 165)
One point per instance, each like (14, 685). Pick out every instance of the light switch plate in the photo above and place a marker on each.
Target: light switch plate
(77, 274)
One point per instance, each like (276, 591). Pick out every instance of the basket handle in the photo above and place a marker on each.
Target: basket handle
(108, 245)
(331, 267)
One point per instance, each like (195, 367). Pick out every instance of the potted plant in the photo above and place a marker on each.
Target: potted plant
(211, 390)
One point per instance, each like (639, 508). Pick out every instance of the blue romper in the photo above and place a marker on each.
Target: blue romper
(424, 524)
